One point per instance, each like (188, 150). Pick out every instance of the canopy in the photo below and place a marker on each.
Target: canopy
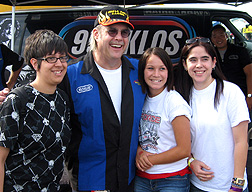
(14, 3)
(111, 2)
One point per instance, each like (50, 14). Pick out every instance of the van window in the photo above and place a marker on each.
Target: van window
(243, 26)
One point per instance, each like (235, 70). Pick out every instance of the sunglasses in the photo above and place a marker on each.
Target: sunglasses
(113, 32)
(198, 39)
(55, 59)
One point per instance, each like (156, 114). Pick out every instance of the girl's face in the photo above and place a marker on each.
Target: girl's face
(199, 65)
(155, 75)
(51, 74)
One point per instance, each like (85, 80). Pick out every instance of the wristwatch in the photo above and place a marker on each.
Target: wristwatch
(238, 181)
(249, 95)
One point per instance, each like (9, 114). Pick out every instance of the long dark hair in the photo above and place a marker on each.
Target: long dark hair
(184, 83)
(163, 55)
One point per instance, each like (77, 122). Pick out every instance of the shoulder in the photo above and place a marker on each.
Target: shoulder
(173, 98)
(77, 65)
(230, 85)
(63, 94)
(177, 105)
(133, 61)
(74, 61)
(17, 97)
(232, 89)
(235, 48)
(174, 94)
(20, 92)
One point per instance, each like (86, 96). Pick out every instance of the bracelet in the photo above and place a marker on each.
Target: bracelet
(236, 185)
(236, 189)
(238, 181)
(190, 161)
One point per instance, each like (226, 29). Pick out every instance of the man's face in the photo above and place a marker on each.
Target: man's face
(112, 41)
(219, 39)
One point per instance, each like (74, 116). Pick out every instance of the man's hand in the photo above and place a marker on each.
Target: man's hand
(3, 94)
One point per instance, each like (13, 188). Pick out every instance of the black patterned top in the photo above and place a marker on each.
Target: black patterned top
(35, 161)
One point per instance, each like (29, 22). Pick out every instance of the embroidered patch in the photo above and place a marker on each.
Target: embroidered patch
(84, 88)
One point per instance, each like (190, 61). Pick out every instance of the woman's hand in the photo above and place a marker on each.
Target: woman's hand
(201, 170)
(142, 161)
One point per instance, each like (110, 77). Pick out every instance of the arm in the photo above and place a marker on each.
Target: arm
(3, 155)
(181, 128)
(240, 149)
(13, 78)
(248, 72)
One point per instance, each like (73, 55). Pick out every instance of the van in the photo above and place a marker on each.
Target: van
(166, 26)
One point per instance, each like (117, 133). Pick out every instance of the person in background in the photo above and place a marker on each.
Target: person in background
(219, 121)
(165, 142)
(106, 100)
(8, 57)
(235, 62)
(32, 143)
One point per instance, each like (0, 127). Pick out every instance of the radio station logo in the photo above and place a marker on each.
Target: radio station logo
(167, 32)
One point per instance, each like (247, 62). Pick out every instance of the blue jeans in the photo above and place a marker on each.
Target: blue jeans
(170, 184)
(195, 189)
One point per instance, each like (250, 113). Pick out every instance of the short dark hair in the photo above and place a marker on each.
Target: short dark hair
(163, 55)
(217, 27)
(41, 43)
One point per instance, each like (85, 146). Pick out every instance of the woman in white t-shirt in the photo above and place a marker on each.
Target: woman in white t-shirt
(164, 133)
(219, 121)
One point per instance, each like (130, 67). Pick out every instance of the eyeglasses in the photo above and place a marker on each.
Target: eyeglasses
(55, 59)
(197, 39)
(113, 32)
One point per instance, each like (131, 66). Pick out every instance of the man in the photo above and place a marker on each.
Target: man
(8, 57)
(235, 62)
(106, 107)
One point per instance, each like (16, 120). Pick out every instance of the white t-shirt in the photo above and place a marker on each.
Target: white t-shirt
(211, 130)
(113, 80)
(156, 132)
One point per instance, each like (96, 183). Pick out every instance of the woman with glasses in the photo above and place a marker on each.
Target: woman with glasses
(219, 121)
(164, 134)
(34, 122)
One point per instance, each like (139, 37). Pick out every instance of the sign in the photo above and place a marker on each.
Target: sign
(167, 32)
